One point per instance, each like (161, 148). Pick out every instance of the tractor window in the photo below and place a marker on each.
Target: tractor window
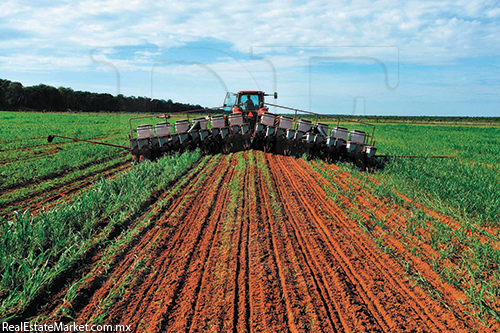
(251, 102)
(229, 101)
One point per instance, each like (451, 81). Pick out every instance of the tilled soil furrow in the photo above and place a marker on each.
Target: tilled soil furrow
(394, 218)
(241, 313)
(266, 300)
(304, 307)
(372, 288)
(118, 264)
(355, 302)
(203, 294)
(162, 248)
(346, 307)
(400, 300)
(239, 293)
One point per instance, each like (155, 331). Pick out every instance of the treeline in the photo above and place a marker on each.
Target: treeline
(15, 97)
(426, 119)
(414, 119)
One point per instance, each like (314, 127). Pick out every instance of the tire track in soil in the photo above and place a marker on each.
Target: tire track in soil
(370, 273)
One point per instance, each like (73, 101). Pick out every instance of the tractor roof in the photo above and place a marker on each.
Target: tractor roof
(251, 92)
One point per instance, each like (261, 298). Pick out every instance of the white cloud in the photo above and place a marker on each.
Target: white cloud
(9, 8)
(421, 32)
(495, 12)
(427, 32)
(23, 62)
(133, 35)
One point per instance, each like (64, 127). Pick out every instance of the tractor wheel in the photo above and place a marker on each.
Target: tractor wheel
(360, 164)
(227, 148)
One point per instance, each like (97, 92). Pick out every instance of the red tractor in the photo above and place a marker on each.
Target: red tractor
(250, 103)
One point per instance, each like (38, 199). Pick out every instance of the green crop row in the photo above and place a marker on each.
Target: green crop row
(27, 156)
(35, 250)
(460, 190)
(466, 186)
(13, 200)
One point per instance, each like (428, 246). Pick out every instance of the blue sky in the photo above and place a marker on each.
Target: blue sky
(342, 57)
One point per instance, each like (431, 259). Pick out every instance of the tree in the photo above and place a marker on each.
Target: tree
(13, 96)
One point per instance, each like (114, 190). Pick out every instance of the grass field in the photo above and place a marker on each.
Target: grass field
(466, 187)
(80, 225)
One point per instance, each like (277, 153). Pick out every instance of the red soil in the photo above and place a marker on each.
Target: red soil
(395, 218)
(258, 248)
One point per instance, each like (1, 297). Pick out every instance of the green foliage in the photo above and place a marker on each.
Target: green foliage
(475, 144)
(36, 249)
(454, 187)
(466, 187)
(30, 165)
(26, 154)
(13, 96)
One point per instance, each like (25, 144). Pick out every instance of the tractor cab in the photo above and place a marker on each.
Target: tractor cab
(248, 102)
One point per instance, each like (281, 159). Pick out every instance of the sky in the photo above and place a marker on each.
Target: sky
(407, 58)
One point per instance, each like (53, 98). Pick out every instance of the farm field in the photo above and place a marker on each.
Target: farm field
(251, 241)
(33, 172)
